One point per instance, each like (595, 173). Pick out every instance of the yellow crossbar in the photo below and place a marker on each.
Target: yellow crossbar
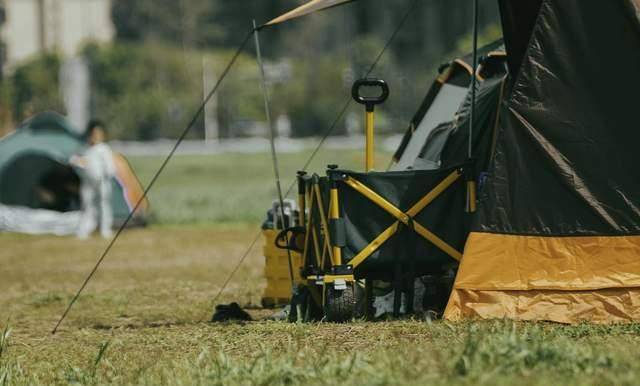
(437, 241)
(374, 245)
(434, 193)
(323, 219)
(377, 199)
(404, 217)
(308, 230)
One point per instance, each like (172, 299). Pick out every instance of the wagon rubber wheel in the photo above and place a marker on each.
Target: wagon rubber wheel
(340, 305)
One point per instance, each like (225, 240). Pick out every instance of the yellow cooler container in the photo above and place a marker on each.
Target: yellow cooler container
(276, 271)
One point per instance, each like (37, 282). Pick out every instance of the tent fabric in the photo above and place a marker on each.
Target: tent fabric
(442, 108)
(453, 83)
(447, 144)
(518, 20)
(431, 152)
(51, 121)
(28, 155)
(636, 4)
(488, 98)
(38, 221)
(618, 305)
(515, 262)
(444, 99)
(559, 219)
(568, 132)
(53, 139)
(306, 9)
(127, 186)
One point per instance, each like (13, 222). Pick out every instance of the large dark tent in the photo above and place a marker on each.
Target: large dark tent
(557, 235)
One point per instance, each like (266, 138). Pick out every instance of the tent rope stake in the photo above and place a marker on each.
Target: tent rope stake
(185, 131)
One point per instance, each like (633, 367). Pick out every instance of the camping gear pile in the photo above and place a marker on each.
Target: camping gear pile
(40, 188)
(513, 193)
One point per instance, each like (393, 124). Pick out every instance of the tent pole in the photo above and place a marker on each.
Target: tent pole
(474, 78)
(470, 167)
(272, 141)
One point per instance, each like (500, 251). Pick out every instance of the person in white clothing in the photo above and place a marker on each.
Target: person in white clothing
(98, 171)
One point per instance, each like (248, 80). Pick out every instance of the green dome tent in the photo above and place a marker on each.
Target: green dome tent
(35, 172)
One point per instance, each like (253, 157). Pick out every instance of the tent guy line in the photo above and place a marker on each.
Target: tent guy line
(155, 177)
(188, 128)
(325, 136)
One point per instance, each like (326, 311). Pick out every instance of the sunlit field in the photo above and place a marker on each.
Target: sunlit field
(144, 318)
(232, 188)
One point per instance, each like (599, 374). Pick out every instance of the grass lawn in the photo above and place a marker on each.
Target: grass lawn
(231, 187)
(143, 318)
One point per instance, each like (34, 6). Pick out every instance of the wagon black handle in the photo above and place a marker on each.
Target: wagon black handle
(370, 102)
(295, 235)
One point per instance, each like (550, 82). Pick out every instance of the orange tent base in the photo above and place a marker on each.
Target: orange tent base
(560, 279)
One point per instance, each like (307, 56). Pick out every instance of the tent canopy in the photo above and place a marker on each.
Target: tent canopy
(557, 234)
(306, 9)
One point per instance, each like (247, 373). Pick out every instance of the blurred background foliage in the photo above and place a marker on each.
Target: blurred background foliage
(149, 81)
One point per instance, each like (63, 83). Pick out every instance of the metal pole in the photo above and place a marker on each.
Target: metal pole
(42, 29)
(334, 215)
(474, 79)
(211, 128)
(272, 137)
(469, 169)
(369, 147)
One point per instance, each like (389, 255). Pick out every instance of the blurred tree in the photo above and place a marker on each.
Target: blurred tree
(192, 23)
(150, 91)
(150, 80)
(182, 22)
(6, 115)
(34, 87)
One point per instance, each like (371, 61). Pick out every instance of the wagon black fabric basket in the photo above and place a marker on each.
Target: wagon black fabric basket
(384, 224)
